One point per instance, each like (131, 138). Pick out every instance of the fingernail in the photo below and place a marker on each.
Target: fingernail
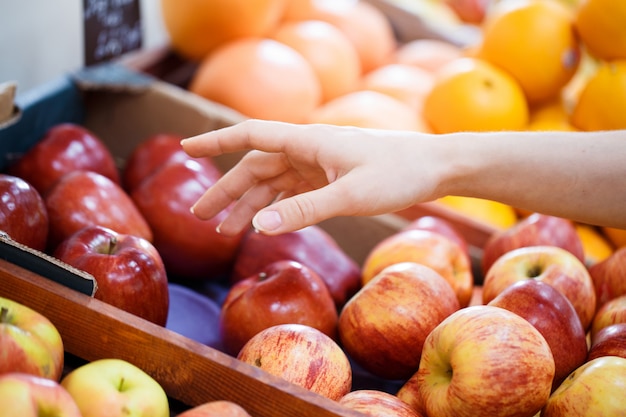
(267, 220)
(218, 229)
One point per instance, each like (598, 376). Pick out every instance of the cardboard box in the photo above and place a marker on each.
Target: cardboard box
(124, 108)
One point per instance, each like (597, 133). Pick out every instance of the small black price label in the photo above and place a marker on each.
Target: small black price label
(111, 28)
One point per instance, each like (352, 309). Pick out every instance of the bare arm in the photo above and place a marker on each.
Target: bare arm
(299, 175)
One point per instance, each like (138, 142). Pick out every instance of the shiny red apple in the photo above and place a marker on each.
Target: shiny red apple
(64, 148)
(439, 225)
(154, 152)
(191, 248)
(611, 312)
(23, 213)
(86, 198)
(535, 230)
(609, 276)
(554, 316)
(609, 341)
(283, 292)
(128, 270)
(311, 246)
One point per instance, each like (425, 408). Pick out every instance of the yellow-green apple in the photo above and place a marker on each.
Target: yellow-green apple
(536, 229)
(438, 225)
(217, 408)
(128, 270)
(282, 292)
(428, 248)
(311, 246)
(27, 395)
(191, 248)
(551, 264)
(115, 388)
(485, 361)
(594, 389)
(85, 198)
(64, 148)
(302, 355)
(154, 152)
(23, 213)
(29, 342)
(609, 341)
(608, 276)
(377, 403)
(384, 325)
(554, 316)
(611, 312)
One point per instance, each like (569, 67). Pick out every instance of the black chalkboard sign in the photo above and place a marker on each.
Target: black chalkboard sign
(111, 28)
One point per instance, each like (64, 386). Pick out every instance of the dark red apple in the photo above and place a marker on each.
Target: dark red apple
(311, 246)
(609, 341)
(554, 316)
(128, 270)
(23, 213)
(535, 230)
(191, 248)
(153, 153)
(609, 277)
(85, 198)
(438, 225)
(283, 292)
(64, 148)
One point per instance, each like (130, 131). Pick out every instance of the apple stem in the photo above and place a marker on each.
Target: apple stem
(112, 244)
(4, 314)
(120, 388)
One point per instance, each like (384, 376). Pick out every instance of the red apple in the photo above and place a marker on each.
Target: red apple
(469, 11)
(609, 341)
(377, 403)
(554, 316)
(128, 270)
(283, 292)
(64, 148)
(384, 325)
(611, 312)
(485, 361)
(191, 248)
(311, 246)
(154, 152)
(428, 248)
(550, 264)
(534, 230)
(23, 213)
(27, 395)
(86, 198)
(29, 342)
(302, 355)
(609, 276)
(438, 225)
(217, 408)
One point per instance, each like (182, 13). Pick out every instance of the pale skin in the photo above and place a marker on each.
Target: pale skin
(300, 175)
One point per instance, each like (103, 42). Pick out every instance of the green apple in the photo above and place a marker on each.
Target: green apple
(27, 395)
(485, 361)
(115, 388)
(29, 342)
(594, 389)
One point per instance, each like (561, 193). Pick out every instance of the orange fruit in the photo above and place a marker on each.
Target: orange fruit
(493, 213)
(429, 54)
(407, 83)
(196, 27)
(329, 51)
(369, 109)
(535, 41)
(601, 25)
(596, 246)
(550, 116)
(365, 25)
(616, 236)
(260, 78)
(470, 94)
(601, 103)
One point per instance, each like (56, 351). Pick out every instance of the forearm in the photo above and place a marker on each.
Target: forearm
(574, 175)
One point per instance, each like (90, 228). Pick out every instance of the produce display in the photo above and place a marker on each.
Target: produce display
(535, 325)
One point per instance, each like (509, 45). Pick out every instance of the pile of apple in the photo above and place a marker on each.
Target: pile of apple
(531, 335)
